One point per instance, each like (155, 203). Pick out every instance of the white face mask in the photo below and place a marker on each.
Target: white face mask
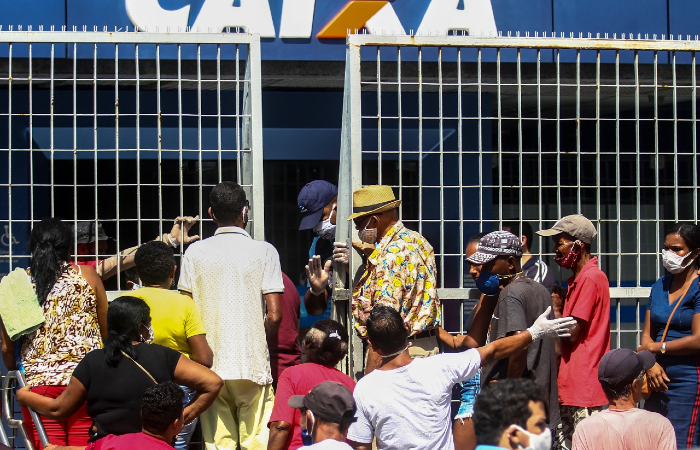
(368, 235)
(151, 335)
(325, 229)
(541, 441)
(244, 211)
(673, 262)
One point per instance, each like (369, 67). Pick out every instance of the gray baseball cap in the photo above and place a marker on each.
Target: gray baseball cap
(575, 225)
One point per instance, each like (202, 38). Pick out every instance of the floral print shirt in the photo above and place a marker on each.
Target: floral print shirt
(400, 273)
(71, 331)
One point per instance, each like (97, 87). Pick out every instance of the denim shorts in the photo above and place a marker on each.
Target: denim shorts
(470, 389)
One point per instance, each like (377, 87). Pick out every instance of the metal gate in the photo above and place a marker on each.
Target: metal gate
(474, 131)
(128, 129)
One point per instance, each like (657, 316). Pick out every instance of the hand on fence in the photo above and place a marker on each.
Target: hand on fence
(317, 273)
(186, 222)
(341, 254)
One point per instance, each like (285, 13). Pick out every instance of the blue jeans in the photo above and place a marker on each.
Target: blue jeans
(470, 389)
(182, 440)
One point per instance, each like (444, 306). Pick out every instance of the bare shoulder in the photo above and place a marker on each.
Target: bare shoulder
(89, 273)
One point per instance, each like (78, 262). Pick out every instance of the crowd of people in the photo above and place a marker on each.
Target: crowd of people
(535, 370)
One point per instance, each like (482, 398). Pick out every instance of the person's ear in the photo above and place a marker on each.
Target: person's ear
(511, 262)
(303, 420)
(524, 241)
(172, 274)
(178, 424)
(371, 345)
(637, 390)
(309, 420)
(211, 214)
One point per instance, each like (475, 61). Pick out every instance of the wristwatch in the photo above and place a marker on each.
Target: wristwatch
(663, 348)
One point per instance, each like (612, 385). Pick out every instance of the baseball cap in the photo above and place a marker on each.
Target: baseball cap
(311, 200)
(496, 243)
(86, 232)
(623, 365)
(576, 226)
(329, 400)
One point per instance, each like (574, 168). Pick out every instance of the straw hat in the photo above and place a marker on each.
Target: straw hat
(371, 200)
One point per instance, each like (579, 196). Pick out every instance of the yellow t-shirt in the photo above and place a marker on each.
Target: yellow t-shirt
(174, 317)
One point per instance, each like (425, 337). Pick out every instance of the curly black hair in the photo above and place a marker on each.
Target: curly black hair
(154, 262)
(502, 404)
(161, 405)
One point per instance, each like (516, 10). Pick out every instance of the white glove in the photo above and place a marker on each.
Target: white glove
(544, 327)
(341, 254)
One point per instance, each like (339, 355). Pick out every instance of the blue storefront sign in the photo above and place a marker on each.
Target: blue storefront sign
(314, 30)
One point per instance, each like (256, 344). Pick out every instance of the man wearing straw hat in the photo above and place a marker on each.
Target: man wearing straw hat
(400, 272)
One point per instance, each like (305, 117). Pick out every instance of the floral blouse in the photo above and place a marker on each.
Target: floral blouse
(400, 273)
(71, 331)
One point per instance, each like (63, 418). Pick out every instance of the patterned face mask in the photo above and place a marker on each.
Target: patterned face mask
(368, 235)
(569, 260)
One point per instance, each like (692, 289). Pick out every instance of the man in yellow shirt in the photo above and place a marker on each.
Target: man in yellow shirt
(175, 319)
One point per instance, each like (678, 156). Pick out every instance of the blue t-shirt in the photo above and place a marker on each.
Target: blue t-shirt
(660, 310)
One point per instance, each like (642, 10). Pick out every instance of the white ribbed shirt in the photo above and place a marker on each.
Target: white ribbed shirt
(227, 275)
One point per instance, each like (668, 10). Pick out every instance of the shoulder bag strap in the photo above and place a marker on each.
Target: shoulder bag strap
(678, 302)
(140, 367)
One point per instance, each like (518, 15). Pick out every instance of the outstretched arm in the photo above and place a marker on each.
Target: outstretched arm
(179, 233)
(511, 345)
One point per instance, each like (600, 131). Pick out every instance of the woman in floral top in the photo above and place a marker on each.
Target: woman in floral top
(74, 303)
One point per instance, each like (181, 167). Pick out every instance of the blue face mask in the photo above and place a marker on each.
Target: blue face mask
(488, 283)
(306, 437)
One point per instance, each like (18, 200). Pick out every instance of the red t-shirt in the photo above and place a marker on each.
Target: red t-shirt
(91, 262)
(588, 299)
(284, 348)
(140, 441)
(299, 380)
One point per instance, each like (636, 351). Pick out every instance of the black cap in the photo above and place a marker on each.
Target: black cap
(329, 400)
(623, 365)
(311, 200)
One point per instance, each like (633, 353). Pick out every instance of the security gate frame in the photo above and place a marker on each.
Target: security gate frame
(84, 47)
(370, 50)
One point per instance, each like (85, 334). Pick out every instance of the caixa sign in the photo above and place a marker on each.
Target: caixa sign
(296, 19)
